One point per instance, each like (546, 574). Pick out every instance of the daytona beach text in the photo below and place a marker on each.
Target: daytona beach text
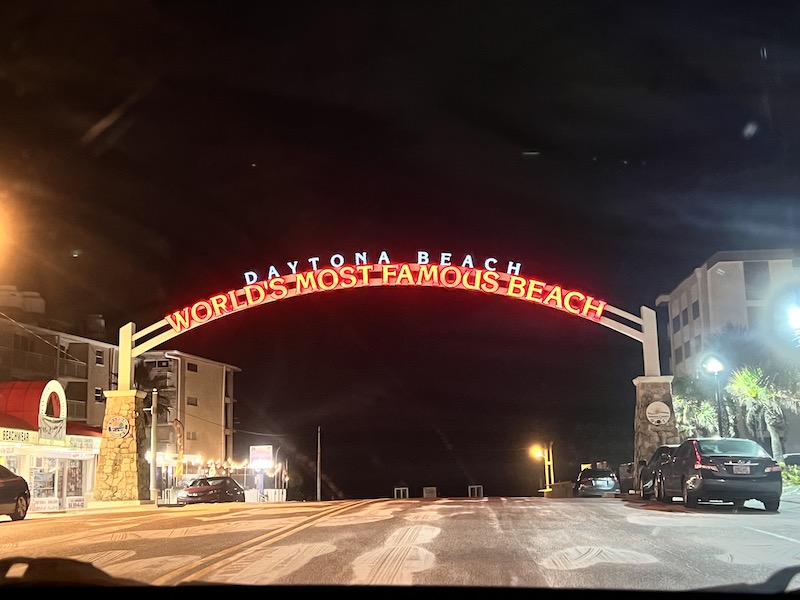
(403, 274)
(362, 258)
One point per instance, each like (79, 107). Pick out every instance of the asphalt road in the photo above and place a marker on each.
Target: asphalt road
(620, 543)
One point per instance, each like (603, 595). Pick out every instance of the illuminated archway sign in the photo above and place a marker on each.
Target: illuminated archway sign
(332, 278)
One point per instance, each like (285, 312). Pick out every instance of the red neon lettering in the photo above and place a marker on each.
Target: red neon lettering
(456, 276)
(516, 286)
(597, 309)
(404, 277)
(428, 275)
(568, 302)
(535, 287)
(334, 277)
(388, 271)
(348, 276)
(306, 281)
(490, 283)
(254, 294)
(195, 310)
(179, 320)
(555, 294)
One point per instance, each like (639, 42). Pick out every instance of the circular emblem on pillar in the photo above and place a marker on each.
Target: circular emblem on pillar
(658, 413)
(118, 426)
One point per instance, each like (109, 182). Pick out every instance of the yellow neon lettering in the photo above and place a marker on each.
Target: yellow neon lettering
(179, 320)
(476, 284)
(490, 283)
(235, 303)
(568, 301)
(220, 304)
(306, 281)
(516, 286)
(535, 287)
(554, 295)
(365, 271)
(278, 287)
(254, 294)
(196, 314)
(443, 277)
(597, 309)
(388, 271)
(334, 276)
(428, 275)
(347, 274)
(404, 277)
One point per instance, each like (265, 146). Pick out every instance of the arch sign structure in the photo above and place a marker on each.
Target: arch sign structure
(337, 276)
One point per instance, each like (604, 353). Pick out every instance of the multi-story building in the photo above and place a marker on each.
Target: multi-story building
(195, 430)
(748, 289)
(195, 426)
(753, 290)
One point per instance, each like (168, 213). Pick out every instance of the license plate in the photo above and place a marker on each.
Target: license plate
(741, 469)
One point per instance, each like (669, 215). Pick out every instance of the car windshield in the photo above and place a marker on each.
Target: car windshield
(367, 293)
(732, 448)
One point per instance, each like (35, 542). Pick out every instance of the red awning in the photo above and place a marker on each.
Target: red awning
(21, 399)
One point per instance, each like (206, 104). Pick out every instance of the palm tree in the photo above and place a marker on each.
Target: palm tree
(763, 405)
(695, 415)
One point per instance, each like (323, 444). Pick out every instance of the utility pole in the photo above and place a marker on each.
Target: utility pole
(319, 463)
(153, 447)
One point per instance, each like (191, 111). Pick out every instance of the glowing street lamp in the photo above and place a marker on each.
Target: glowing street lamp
(544, 453)
(715, 366)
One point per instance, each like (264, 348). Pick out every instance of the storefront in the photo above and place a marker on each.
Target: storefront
(56, 457)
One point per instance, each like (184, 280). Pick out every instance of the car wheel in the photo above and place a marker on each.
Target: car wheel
(689, 499)
(20, 509)
(738, 503)
(771, 505)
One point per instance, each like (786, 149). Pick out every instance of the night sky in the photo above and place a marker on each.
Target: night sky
(150, 153)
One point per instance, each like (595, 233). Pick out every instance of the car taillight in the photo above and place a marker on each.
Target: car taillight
(701, 465)
(772, 469)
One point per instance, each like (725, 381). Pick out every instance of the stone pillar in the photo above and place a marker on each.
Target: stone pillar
(654, 419)
(123, 473)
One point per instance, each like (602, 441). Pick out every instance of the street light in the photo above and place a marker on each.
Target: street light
(546, 454)
(715, 366)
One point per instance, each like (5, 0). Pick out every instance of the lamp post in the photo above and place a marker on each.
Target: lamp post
(713, 365)
(153, 446)
(545, 453)
(275, 465)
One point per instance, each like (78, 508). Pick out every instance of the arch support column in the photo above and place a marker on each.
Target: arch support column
(122, 469)
(654, 421)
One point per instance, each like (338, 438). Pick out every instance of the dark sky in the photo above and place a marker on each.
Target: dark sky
(150, 153)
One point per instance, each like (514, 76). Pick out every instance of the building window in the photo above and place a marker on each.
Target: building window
(678, 356)
(162, 364)
(696, 309)
(191, 367)
(98, 394)
(191, 401)
(100, 357)
(756, 279)
(687, 349)
(698, 344)
(191, 435)
(685, 316)
(676, 324)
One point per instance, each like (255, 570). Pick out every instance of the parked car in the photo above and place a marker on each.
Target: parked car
(595, 482)
(650, 470)
(211, 489)
(722, 469)
(15, 496)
